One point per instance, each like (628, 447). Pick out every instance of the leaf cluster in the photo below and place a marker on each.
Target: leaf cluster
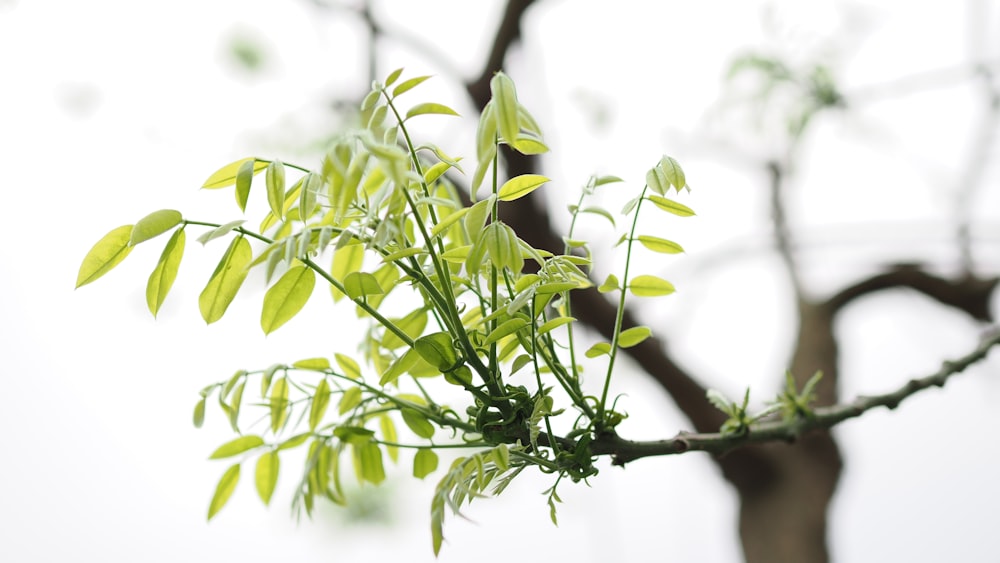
(379, 218)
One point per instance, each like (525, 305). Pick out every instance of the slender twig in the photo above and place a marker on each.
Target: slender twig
(623, 451)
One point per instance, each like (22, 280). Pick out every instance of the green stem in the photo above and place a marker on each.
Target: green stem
(620, 315)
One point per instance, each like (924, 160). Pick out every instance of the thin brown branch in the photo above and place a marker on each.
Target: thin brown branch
(968, 293)
(779, 220)
(623, 451)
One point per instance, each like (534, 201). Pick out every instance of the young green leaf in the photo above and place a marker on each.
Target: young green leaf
(505, 97)
(610, 284)
(348, 366)
(320, 401)
(199, 413)
(287, 297)
(520, 186)
(244, 178)
(429, 108)
(505, 329)
(361, 284)
(226, 176)
(663, 246)
(425, 462)
(105, 255)
(650, 286)
(553, 324)
(266, 476)
(349, 400)
(672, 171)
(279, 404)
(437, 350)
(225, 281)
(224, 490)
(407, 85)
(417, 422)
(599, 349)
(163, 275)
(237, 446)
(346, 259)
(314, 364)
(393, 76)
(633, 336)
(275, 179)
(154, 224)
(220, 231)
(388, 428)
(370, 456)
(671, 206)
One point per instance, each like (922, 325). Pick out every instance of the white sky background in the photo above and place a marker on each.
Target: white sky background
(111, 110)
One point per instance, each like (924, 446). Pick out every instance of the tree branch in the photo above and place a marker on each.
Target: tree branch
(968, 293)
(623, 451)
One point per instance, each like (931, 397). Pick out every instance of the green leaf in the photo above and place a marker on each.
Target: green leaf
(660, 245)
(163, 275)
(606, 180)
(388, 428)
(599, 349)
(320, 401)
(423, 109)
(650, 286)
(294, 441)
(234, 406)
(224, 490)
(393, 76)
(244, 178)
(505, 98)
(461, 375)
(417, 422)
(407, 85)
(599, 211)
(105, 255)
(348, 366)
(671, 206)
(672, 172)
(412, 325)
(361, 284)
(350, 399)
(199, 413)
(425, 462)
(220, 231)
(553, 324)
(154, 224)
(501, 244)
(237, 446)
(267, 475)
(276, 188)
(353, 434)
(437, 350)
(520, 186)
(315, 364)
(225, 281)
(287, 297)
(226, 176)
(372, 469)
(448, 221)
(610, 284)
(506, 328)
(633, 336)
(346, 259)
(279, 404)
(529, 144)
(436, 171)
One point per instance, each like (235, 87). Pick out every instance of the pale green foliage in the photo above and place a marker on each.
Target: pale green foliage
(379, 217)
